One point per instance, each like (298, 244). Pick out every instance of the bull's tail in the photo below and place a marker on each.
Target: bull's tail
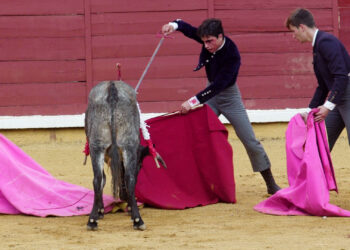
(116, 168)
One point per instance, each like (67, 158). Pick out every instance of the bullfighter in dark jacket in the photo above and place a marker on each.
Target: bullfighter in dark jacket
(221, 60)
(332, 69)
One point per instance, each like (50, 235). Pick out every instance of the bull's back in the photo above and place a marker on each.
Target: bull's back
(98, 94)
(127, 120)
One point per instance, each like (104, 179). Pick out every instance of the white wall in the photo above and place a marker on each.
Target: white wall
(67, 121)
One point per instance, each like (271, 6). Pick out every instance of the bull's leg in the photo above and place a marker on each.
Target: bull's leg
(131, 171)
(101, 211)
(97, 212)
(122, 185)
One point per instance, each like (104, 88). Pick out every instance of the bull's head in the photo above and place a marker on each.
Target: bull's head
(144, 151)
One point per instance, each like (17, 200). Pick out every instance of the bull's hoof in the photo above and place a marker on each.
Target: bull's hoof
(139, 224)
(92, 225)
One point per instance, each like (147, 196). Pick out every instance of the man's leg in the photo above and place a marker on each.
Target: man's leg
(344, 110)
(229, 103)
(334, 125)
(339, 118)
(212, 104)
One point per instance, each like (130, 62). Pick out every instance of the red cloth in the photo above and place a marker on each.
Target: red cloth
(199, 162)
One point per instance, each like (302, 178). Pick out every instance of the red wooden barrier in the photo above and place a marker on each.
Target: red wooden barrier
(267, 20)
(55, 48)
(344, 3)
(140, 22)
(41, 7)
(41, 26)
(344, 31)
(145, 6)
(17, 72)
(273, 4)
(31, 94)
(53, 51)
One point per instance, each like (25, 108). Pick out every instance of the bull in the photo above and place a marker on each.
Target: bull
(112, 125)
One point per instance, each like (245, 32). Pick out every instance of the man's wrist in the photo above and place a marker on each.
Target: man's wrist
(174, 25)
(329, 105)
(193, 101)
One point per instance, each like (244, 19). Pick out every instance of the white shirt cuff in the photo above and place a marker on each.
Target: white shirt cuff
(329, 105)
(193, 101)
(175, 25)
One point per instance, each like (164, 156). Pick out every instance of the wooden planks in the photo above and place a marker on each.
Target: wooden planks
(41, 26)
(272, 4)
(269, 20)
(56, 109)
(132, 68)
(42, 71)
(36, 94)
(344, 3)
(50, 48)
(58, 48)
(41, 7)
(251, 87)
(42, 98)
(277, 87)
(269, 103)
(42, 57)
(98, 6)
(139, 23)
(345, 38)
(276, 103)
(182, 66)
(122, 46)
(344, 32)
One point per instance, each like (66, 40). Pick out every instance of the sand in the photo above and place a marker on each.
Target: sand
(218, 226)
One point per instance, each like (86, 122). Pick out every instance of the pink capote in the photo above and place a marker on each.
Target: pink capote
(199, 160)
(27, 188)
(310, 173)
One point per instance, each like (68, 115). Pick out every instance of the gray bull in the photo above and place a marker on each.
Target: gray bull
(112, 124)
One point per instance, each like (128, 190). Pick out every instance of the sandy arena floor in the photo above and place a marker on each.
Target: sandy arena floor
(219, 226)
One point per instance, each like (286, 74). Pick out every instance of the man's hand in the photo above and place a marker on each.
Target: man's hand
(304, 116)
(185, 107)
(321, 114)
(167, 29)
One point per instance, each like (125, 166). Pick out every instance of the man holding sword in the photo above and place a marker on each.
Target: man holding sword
(221, 60)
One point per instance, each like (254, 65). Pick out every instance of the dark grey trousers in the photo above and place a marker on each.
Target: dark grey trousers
(229, 104)
(339, 118)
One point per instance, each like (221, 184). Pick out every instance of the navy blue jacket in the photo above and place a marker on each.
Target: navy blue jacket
(221, 67)
(331, 66)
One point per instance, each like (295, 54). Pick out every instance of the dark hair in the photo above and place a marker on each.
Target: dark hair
(300, 16)
(210, 27)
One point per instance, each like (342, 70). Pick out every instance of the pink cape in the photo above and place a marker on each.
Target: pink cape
(27, 188)
(199, 160)
(310, 173)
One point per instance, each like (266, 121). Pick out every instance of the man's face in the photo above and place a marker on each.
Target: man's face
(212, 43)
(299, 33)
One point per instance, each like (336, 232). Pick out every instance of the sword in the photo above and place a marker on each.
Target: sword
(149, 63)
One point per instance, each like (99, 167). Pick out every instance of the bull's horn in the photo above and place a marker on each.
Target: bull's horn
(160, 159)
